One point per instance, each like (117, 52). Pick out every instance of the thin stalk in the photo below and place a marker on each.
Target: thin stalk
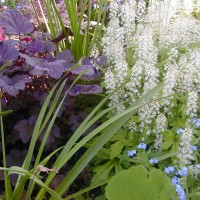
(50, 19)
(43, 16)
(8, 189)
(37, 18)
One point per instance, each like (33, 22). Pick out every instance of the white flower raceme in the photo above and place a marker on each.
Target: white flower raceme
(189, 67)
(163, 40)
(192, 104)
(171, 76)
(127, 14)
(161, 122)
(113, 43)
(186, 153)
(158, 141)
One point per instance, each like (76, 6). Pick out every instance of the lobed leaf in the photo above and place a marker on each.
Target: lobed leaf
(138, 183)
(15, 23)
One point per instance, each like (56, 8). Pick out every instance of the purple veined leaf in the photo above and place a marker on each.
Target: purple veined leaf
(49, 47)
(40, 36)
(40, 46)
(49, 58)
(65, 55)
(32, 61)
(95, 76)
(42, 67)
(89, 70)
(85, 89)
(12, 85)
(8, 51)
(55, 69)
(35, 46)
(15, 23)
(100, 60)
(25, 128)
(87, 61)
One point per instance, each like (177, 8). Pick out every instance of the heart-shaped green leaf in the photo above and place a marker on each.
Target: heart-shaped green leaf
(137, 183)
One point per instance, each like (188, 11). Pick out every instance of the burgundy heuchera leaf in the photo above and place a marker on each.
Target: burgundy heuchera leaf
(40, 46)
(14, 84)
(8, 51)
(15, 23)
(25, 128)
(55, 69)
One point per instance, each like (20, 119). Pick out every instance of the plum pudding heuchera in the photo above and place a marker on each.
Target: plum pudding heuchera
(30, 66)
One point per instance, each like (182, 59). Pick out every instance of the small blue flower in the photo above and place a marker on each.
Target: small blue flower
(193, 148)
(175, 180)
(195, 121)
(141, 146)
(198, 123)
(180, 192)
(180, 130)
(198, 166)
(153, 161)
(183, 171)
(169, 169)
(132, 153)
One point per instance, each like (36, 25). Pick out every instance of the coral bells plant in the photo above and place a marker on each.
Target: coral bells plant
(153, 43)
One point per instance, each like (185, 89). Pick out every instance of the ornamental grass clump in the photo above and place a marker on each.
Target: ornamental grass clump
(153, 43)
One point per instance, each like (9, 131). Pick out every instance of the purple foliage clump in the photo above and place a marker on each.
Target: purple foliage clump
(25, 128)
(12, 85)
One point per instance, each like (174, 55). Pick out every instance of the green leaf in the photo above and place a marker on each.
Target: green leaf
(21, 171)
(195, 196)
(6, 112)
(135, 183)
(116, 149)
(102, 172)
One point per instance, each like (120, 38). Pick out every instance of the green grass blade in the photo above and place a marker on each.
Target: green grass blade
(65, 154)
(20, 185)
(6, 112)
(23, 172)
(50, 19)
(37, 18)
(109, 127)
(8, 189)
(47, 132)
(43, 16)
(100, 24)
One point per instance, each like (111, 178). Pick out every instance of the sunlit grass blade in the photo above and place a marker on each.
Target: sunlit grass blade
(37, 18)
(103, 4)
(6, 112)
(51, 26)
(23, 172)
(5, 65)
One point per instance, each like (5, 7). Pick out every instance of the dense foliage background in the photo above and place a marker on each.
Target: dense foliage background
(99, 99)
